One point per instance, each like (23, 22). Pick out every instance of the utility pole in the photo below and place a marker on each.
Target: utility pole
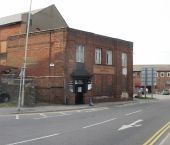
(25, 58)
(145, 81)
(152, 83)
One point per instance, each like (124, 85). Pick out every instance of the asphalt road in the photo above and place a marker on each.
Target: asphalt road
(130, 124)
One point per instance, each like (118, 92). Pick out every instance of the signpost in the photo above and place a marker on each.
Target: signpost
(148, 78)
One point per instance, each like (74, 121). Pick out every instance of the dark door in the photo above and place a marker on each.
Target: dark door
(79, 98)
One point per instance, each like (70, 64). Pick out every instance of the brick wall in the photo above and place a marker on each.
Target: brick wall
(10, 30)
(45, 58)
(57, 47)
(44, 48)
(106, 87)
(5, 32)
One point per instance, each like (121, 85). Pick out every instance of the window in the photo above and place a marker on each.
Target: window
(124, 59)
(109, 57)
(98, 56)
(124, 64)
(138, 74)
(3, 62)
(3, 47)
(168, 74)
(162, 74)
(157, 74)
(3, 57)
(80, 53)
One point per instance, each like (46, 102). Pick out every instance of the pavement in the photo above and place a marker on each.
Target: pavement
(55, 108)
(165, 140)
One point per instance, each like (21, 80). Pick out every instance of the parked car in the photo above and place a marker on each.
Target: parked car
(166, 92)
(4, 97)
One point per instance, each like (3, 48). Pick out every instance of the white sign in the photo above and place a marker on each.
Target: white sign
(51, 64)
(89, 87)
(124, 71)
(79, 89)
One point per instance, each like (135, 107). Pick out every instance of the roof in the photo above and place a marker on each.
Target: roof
(160, 67)
(15, 18)
(10, 19)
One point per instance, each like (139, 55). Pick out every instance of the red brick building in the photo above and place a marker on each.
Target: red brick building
(162, 77)
(71, 66)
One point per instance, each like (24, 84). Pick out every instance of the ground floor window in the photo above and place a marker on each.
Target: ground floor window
(103, 85)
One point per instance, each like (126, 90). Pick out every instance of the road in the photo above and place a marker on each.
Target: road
(130, 124)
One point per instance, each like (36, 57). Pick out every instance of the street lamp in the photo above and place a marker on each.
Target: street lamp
(23, 69)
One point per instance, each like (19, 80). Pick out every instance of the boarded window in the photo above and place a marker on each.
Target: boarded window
(3, 47)
(2, 61)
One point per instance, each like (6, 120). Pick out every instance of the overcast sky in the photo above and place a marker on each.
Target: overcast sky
(144, 22)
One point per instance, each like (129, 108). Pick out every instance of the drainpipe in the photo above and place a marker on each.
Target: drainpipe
(65, 67)
(50, 54)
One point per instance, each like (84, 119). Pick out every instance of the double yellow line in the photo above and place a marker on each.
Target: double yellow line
(158, 134)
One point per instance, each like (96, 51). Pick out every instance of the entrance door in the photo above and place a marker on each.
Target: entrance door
(79, 98)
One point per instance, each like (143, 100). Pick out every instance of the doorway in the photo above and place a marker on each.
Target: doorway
(79, 99)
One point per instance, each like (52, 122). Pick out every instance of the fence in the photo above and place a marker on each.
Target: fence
(45, 89)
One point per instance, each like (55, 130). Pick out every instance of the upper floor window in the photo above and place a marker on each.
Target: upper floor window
(168, 74)
(157, 74)
(98, 56)
(134, 74)
(80, 53)
(3, 47)
(124, 59)
(138, 74)
(109, 57)
(161, 74)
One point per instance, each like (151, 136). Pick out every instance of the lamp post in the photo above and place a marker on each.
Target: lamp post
(23, 69)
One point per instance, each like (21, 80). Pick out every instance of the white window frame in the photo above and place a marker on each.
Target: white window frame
(80, 53)
(98, 56)
(162, 74)
(124, 59)
(168, 74)
(109, 57)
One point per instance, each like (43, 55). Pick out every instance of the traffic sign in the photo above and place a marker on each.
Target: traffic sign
(148, 76)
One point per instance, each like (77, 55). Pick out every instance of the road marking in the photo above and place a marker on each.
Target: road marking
(34, 139)
(17, 116)
(156, 139)
(133, 112)
(134, 124)
(64, 113)
(92, 109)
(96, 109)
(158, 134)
(100, 123)
(43, 115)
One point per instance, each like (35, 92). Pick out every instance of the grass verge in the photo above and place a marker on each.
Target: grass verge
(8, 104)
